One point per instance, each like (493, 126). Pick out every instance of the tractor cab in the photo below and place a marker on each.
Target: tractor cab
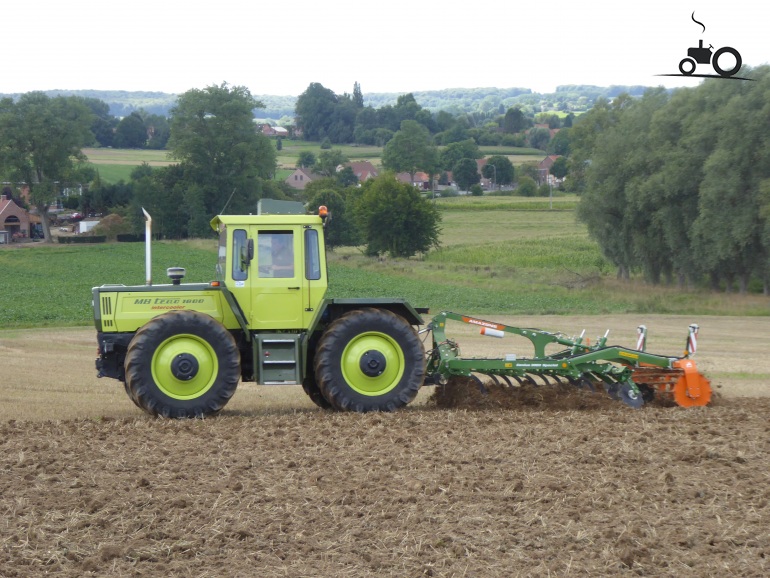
(274, 265)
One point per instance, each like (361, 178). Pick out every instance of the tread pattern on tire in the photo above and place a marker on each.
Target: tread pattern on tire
(310, 387)
(328, 369)
(139, 357)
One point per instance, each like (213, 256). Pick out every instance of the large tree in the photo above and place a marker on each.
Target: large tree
(515, 121)
(131, 132)
(322, 114)
(328, 161)
(453, 152)
(395, 218)
(225, 159)
(466, 173)
(411, 150)
(41, 140)
(499, 168)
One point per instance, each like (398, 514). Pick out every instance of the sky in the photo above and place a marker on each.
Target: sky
(399, 46)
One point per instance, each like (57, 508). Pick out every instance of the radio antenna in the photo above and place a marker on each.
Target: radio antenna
(222, 212)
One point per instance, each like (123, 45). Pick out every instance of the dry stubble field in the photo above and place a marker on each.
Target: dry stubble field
(568, 484)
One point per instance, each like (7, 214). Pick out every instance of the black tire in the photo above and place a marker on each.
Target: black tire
(131, 395)
(369, 360)
(310, 386)
(182, 364)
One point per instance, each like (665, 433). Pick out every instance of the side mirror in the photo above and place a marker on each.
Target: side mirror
(250, 250)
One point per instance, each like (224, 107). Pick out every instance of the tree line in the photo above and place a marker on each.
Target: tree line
(677, 185)
(321, 114)
(674, 184)
(223, 165)
(220, 155)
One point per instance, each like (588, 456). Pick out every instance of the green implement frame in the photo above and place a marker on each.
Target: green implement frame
(581, 364)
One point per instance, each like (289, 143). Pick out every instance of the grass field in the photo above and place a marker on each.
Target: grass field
(494, 259)
(116, 164)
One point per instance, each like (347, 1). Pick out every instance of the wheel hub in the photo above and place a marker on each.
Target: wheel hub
(373, 363)
(184, 367)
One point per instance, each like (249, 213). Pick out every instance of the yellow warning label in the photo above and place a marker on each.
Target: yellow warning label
(629, 355)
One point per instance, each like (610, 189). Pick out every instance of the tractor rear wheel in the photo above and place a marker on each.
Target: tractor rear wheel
(182, 364)
(369, 360)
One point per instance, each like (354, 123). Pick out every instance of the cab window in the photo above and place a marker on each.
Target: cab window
(276, 254)
(240, 255)
(312, 256)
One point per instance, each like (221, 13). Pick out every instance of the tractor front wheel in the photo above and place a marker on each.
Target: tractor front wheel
(369, 360)
(310, 387)
(182, 364)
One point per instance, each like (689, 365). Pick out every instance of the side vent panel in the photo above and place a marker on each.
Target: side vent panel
(107, 311)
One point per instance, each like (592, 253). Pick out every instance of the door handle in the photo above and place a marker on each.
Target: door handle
(293, 288)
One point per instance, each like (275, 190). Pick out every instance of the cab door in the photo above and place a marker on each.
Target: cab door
(277, 278)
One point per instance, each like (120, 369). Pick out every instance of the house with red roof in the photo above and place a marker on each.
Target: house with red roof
(364, 170)
(14, 219)
(544, 168)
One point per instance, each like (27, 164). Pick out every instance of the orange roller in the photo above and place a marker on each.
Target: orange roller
(692, 389)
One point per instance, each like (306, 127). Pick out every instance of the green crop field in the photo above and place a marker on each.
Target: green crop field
(495, 259)
(116, 164)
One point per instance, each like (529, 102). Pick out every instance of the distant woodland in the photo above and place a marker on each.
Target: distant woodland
(280, 109)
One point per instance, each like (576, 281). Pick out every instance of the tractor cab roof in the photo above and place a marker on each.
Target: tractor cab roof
(270, 220)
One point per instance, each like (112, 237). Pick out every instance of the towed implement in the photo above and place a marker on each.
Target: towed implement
(632, 376)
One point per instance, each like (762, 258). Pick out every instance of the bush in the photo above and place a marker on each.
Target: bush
(477, 190)
(527, 187)
(449, 192)
(111, 226)
(513, 140)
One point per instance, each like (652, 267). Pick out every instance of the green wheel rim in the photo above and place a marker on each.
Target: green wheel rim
(363, 344)
(188, 347)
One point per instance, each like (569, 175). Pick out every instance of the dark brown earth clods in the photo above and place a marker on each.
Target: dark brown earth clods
(585, 488)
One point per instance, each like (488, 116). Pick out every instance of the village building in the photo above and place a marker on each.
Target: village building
(14, 220)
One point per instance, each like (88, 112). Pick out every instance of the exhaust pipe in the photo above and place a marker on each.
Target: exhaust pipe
(147, 247)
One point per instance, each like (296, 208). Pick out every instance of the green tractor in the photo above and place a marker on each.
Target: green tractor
(182, 348)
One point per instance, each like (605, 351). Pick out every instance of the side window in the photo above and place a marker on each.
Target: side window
(240, 255)
(312, 255)
(276, 254)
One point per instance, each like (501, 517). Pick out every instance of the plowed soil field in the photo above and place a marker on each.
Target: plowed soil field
(543, 483)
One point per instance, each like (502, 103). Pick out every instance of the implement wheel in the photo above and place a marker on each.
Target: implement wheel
(182, 364)
(369, 360)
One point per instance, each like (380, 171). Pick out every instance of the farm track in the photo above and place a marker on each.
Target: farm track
(581, 487)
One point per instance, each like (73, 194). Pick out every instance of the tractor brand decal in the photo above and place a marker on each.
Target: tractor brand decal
(169, 303)
(483, 323)
(726, 68)
(628, 355)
